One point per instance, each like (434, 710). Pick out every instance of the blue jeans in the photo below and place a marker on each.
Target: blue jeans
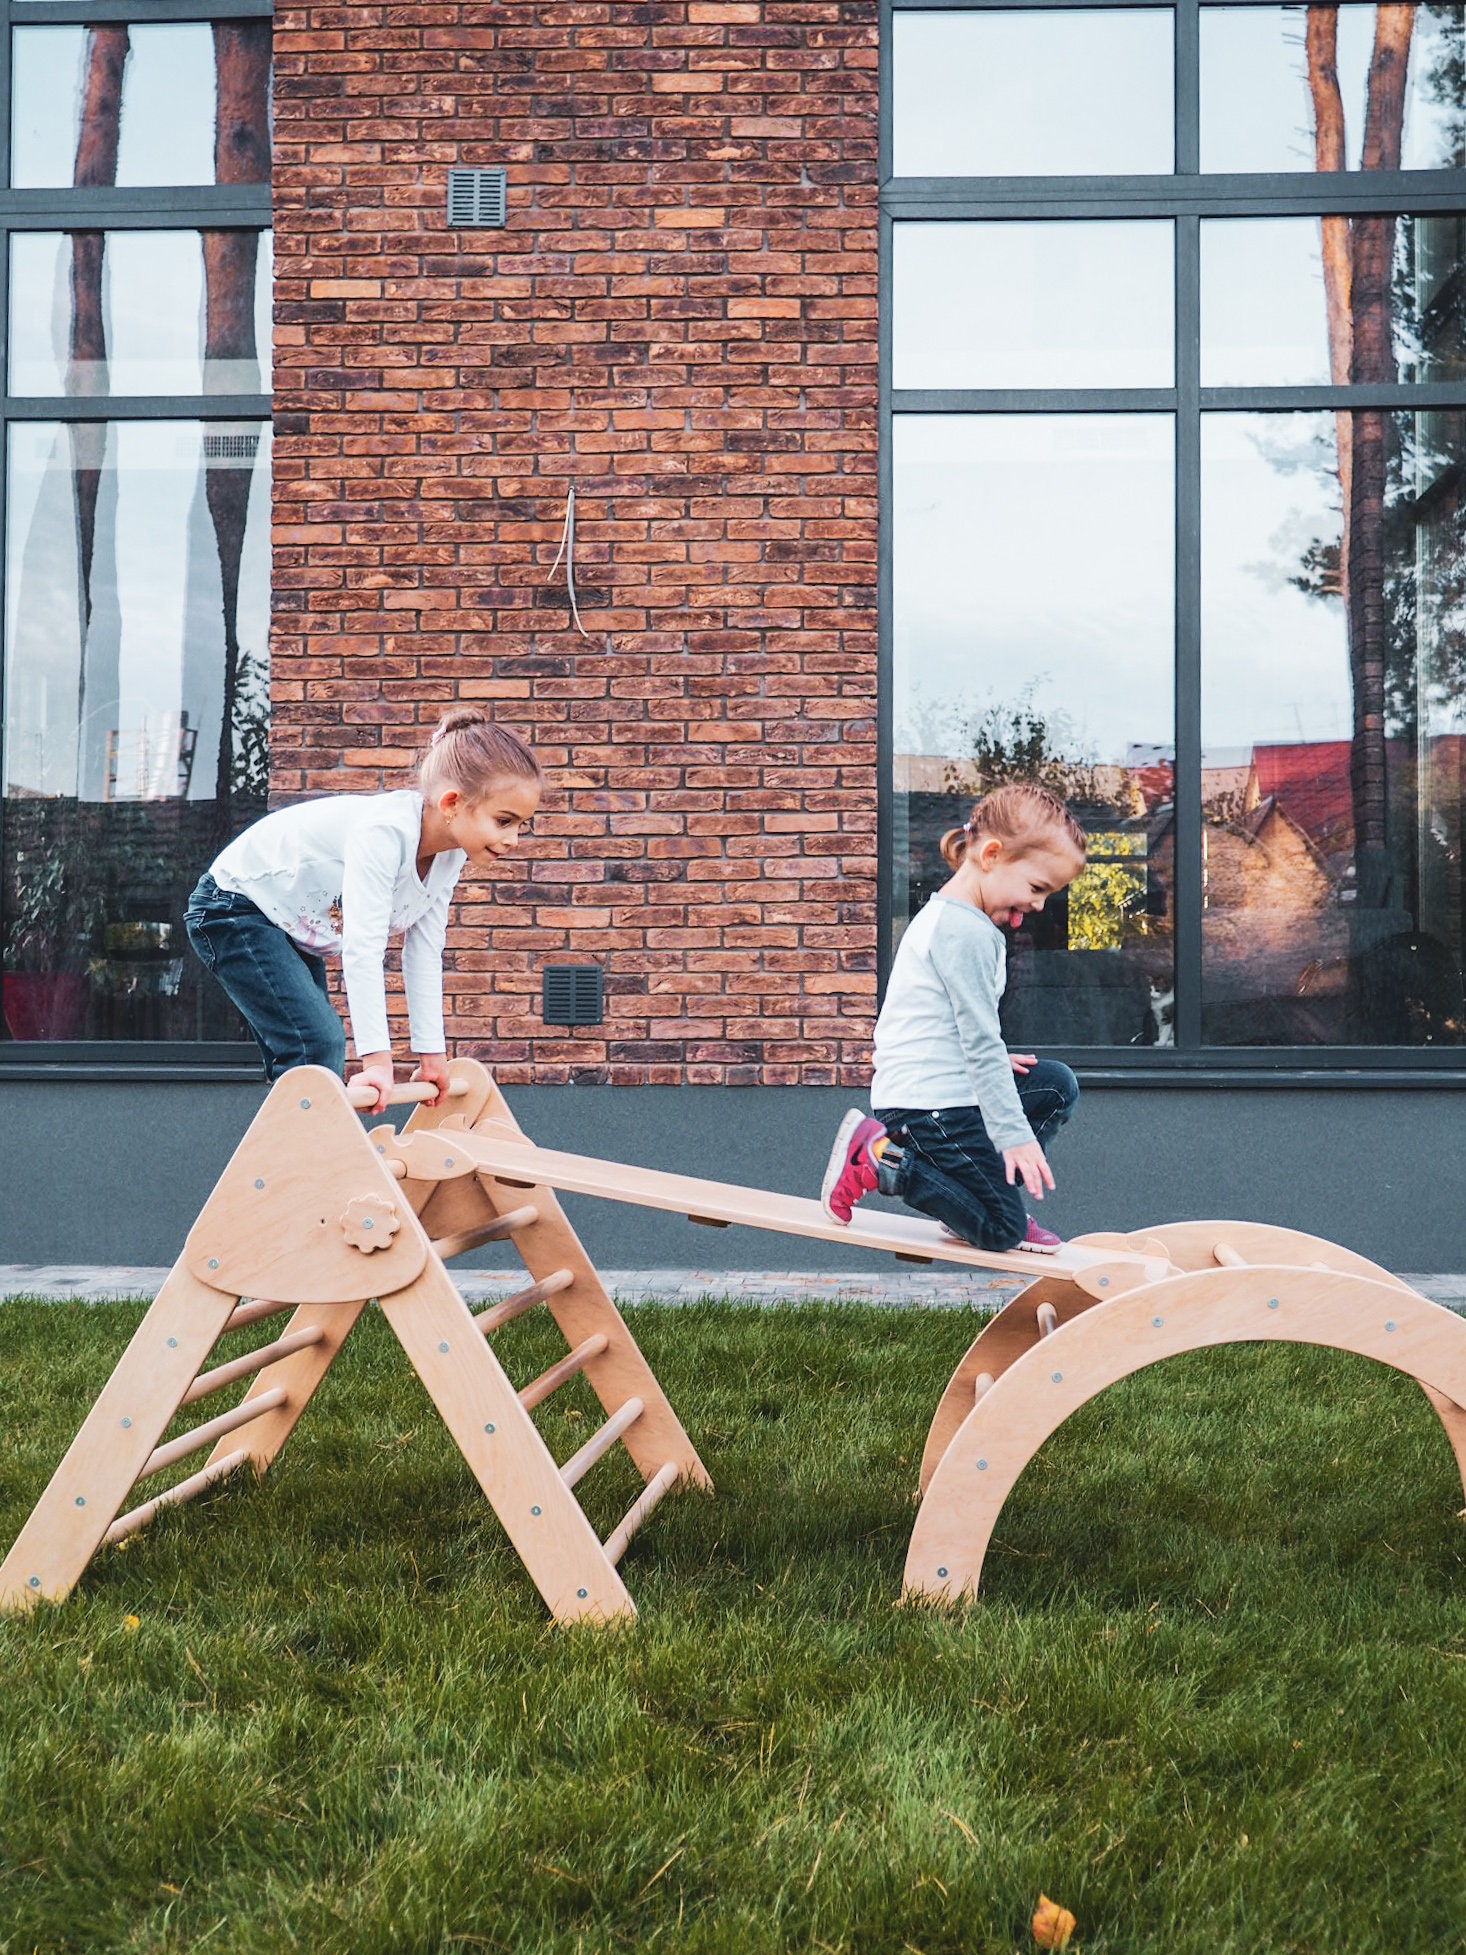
(278, 989)
(950, 1169)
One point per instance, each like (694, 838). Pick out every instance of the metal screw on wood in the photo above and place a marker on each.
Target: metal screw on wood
(535, 1510)
(1058, 1377)
(443, 1347)
(305, 1106)
(982, 1466)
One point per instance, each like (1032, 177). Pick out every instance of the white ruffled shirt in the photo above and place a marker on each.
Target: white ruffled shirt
(340, 874)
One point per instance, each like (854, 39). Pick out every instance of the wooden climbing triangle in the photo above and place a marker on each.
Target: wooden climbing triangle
(316, 1217)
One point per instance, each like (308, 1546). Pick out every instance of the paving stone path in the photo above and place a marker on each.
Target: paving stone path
(914, 1289)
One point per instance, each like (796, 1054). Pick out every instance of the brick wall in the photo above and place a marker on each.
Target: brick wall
(680, 320)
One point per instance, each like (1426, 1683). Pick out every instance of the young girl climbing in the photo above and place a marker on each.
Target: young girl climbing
(959, 1120)
(342, 873)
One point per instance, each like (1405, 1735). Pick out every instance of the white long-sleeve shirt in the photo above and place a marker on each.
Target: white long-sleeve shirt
(938, 1040)
(340, 874)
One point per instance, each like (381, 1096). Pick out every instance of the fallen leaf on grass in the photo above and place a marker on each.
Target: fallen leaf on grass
(1052, 1924)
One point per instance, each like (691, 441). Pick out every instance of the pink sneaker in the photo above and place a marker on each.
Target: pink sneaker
(1042, 1241)
(850, 1171)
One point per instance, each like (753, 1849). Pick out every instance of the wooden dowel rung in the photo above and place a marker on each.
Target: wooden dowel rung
(251, 1362)
(126, 1524)
(515, 1306)
(652, 1494)
(397, 1169)
(411, 1092)
(1226, 1255)
(1048, 1320)
(982, 1385)
(212, 1429)
(601, 1441)
(254, 1313)
(495, 1231)
(539, 1389)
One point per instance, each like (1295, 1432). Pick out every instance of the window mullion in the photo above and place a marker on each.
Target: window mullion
(1188, 893)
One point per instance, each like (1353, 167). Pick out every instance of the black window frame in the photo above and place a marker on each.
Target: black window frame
(195, 207)
(1185, 197)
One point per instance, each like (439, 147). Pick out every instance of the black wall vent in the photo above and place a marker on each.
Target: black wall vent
(478, 200)
(572, 994)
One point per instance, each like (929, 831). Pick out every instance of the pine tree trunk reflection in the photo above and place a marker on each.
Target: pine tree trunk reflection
(96, 167)
(1358, 257)
(241, 155)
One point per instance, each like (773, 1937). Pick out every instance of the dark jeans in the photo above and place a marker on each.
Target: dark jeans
(950, 1169)
(278, 989)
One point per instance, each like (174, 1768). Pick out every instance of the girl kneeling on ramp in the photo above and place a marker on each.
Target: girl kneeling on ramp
(959, 1120)
(342, 873)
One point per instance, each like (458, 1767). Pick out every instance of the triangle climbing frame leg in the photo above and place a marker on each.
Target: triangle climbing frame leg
(116, 1441)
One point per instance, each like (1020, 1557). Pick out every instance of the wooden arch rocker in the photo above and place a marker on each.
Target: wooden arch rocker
(1054, 1347)
(315, 1213)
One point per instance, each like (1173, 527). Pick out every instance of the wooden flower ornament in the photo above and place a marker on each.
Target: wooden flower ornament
(370, 1223)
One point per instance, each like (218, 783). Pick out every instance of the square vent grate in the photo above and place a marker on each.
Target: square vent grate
(572, 994)
(478, 200)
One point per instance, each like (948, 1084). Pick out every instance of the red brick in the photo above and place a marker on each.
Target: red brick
(679, 318)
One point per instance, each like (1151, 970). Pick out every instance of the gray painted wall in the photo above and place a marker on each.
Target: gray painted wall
(96, 1172)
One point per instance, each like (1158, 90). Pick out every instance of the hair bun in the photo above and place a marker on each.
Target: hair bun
(455, 719)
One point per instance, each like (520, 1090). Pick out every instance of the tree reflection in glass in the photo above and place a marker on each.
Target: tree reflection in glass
(1033, 639)
(130, 600)
(1334, 864)
(1333, 858)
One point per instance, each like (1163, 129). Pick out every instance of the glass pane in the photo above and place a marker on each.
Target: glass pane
(136, 714)
(1334, 729)
(1033, 93)
(140, 312)
(1033, 305)
(1266, 93)
(1266, 300)
(132, 105)
(1033, 638)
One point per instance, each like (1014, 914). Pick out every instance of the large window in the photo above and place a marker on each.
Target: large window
(1175, 451)
(135, 283)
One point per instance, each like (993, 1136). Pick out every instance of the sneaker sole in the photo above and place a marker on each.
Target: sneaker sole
(835, 1166)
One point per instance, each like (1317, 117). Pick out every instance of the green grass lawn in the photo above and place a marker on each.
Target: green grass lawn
(1213, 1697)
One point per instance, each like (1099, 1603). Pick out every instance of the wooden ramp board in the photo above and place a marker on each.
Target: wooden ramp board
(517, 1165)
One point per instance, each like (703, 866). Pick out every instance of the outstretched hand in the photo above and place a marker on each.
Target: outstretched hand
(1030, 1163)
